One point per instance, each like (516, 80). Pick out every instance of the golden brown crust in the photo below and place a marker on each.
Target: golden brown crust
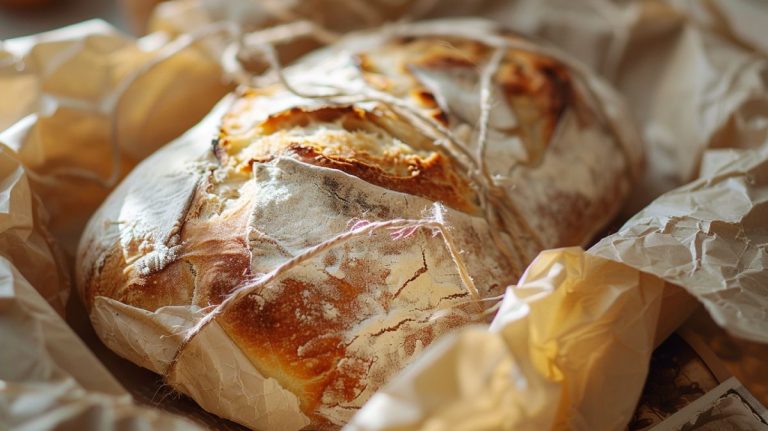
(213, 260)
(290, 336)
(416, 167)
(430, 178)
(274, 336)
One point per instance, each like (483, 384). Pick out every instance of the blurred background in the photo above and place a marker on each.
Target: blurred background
(24, 17)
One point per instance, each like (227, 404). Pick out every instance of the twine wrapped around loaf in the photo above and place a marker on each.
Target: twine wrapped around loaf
(498, 208)
(497, 205)
(494, 200)
(398, 228)
(295, 27)
(111, 104)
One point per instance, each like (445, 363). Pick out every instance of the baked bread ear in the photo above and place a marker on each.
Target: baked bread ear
(286, 172)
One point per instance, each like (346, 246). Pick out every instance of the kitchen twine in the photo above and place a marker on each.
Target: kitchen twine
(296, 26)
(110, 105)
(494, 200)
(499, 209)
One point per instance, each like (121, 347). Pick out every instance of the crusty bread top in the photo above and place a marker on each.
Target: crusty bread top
(375, 146)
(286, 172)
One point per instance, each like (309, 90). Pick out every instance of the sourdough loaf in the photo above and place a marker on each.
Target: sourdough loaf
(383, 125)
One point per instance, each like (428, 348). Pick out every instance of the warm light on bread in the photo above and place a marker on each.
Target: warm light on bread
(286, 172)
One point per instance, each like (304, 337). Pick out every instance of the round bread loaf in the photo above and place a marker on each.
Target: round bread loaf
(289, 170)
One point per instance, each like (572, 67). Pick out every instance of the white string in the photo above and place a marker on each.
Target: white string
(111, 103)
(579, 70)
(495, 204)
(399, 229)
(486, 99)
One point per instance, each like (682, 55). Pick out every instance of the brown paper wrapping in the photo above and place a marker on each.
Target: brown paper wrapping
(570, 345)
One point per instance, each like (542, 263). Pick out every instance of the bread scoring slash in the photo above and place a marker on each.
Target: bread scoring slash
(359, 131)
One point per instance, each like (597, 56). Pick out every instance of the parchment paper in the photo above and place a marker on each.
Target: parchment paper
(65, 88)
(712, 236)
(695, 75)
(693, 72)
(567, 350)
(692, 86)
(48, 377)
(61, 88)
(570, 346)
(24, 239)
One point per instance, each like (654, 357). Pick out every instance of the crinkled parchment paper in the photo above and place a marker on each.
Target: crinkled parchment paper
(48, 377)
(58, 94)
(694, 73)
(712, 237)
(24, 241)
(338, 16)
(70, 90)
(570, 345)
(567, 343)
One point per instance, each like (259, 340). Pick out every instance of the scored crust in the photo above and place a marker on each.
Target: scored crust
(311, 331)
(374, 146)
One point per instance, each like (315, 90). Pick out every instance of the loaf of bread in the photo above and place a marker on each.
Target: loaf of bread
(382, 126)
